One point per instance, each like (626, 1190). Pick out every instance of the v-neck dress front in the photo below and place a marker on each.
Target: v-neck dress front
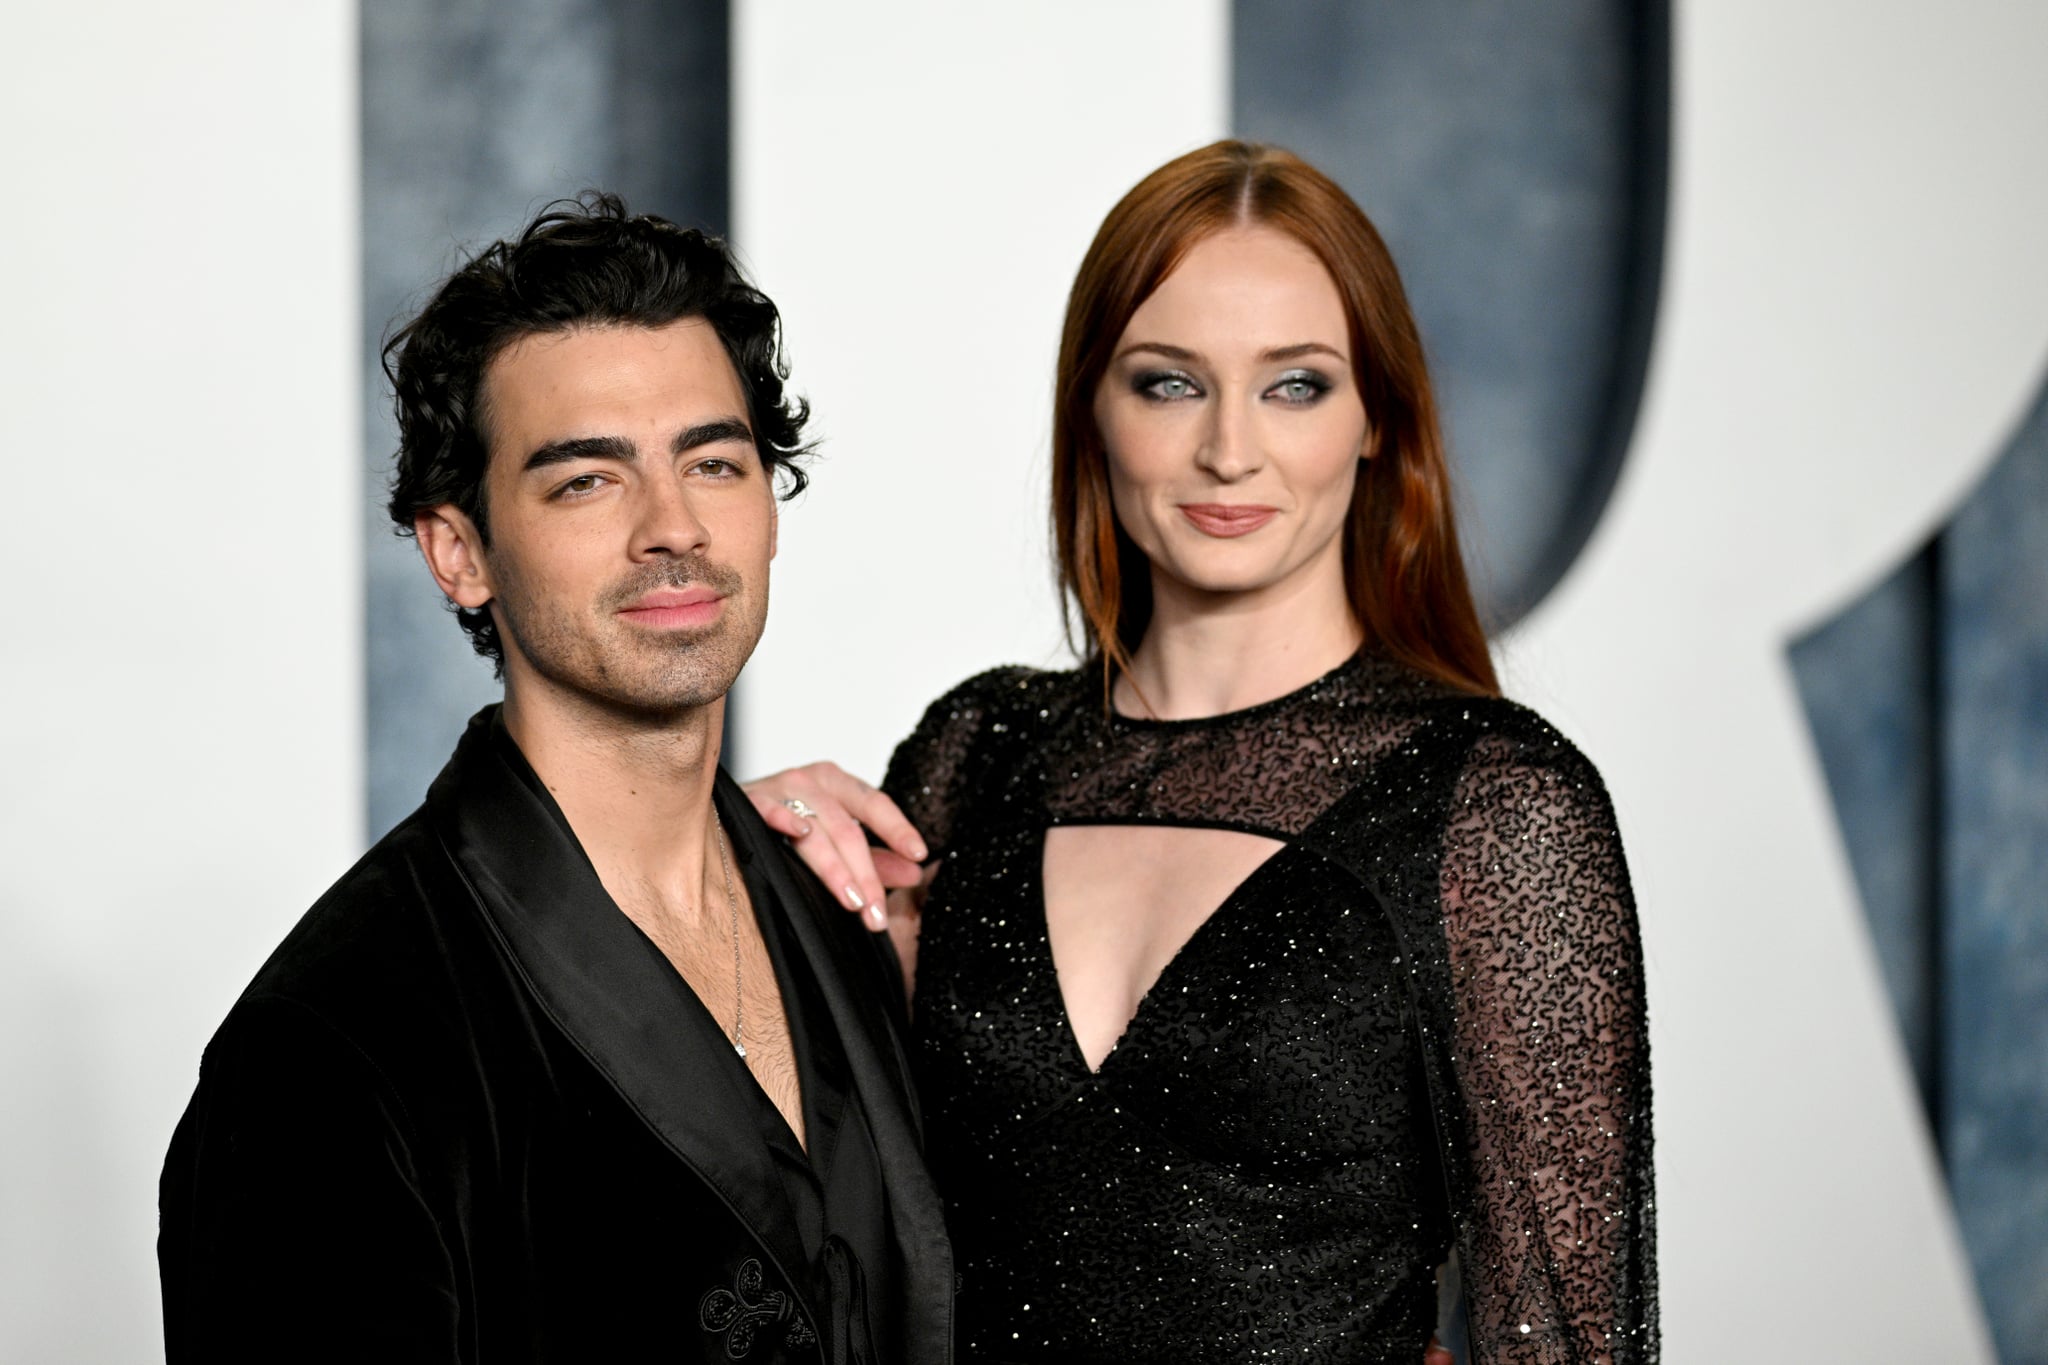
(1298, 1120)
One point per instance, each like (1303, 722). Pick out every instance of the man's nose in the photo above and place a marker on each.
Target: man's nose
(668, 524)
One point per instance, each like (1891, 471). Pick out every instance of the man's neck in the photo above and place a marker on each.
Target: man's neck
(635, 790)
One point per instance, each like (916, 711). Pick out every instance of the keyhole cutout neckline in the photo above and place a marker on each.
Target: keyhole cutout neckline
(1247, 853)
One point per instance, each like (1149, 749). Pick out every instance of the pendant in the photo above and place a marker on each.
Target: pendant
(740, 1048)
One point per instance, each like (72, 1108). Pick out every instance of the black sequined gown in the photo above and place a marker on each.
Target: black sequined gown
(1418, 1025)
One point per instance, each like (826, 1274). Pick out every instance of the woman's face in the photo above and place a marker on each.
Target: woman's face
(1232, 420)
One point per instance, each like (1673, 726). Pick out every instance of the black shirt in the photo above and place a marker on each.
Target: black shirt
(833, 1179)
(468, 1112)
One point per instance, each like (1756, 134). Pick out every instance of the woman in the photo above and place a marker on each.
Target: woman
(1269, 955)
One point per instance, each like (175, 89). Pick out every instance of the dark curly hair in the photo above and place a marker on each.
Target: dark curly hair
(581, 262)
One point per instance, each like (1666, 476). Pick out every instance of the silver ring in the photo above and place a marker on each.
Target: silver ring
(799, 808)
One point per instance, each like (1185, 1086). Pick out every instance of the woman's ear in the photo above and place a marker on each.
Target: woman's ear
(454, 551)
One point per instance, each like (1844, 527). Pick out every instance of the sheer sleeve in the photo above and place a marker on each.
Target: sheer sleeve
(932, 773)
(1558, 1243)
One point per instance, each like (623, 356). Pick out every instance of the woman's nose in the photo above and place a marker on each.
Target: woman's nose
(1230, 448)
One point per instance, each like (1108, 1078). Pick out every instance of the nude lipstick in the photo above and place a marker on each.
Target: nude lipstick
(1227, 519)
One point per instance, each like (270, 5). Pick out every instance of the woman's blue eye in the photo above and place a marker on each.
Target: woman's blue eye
(1301, 388)
(1165, 385)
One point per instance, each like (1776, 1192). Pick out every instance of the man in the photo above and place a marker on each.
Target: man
(576, 1064)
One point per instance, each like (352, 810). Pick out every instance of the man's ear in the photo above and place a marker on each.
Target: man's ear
(455, 554)
(774, 523)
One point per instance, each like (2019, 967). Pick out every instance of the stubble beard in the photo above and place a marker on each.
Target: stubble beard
(592, 654)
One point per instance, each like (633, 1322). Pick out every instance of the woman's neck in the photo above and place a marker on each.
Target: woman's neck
(1205, 654)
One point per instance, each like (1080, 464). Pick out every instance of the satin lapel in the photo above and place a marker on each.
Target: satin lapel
(880, 1074)
(603, 983)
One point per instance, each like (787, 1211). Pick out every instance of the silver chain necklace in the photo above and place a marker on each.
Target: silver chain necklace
(732, 905)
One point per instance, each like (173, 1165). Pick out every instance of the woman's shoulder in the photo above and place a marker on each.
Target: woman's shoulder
(1006, 696)
(1491, 729)
(1510, 733)
(1012, 699)
(976, 728)
(1004, 686)
(1519, 767)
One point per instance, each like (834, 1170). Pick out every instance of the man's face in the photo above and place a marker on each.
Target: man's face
(631, 518)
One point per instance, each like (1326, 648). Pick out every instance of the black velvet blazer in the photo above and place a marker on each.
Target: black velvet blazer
(464, 1113)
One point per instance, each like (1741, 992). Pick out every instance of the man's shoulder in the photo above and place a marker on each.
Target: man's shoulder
(773, 859)
(382, 944)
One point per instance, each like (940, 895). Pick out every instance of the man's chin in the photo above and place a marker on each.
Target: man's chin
(668, 690)
(644, 675)
(673, 690)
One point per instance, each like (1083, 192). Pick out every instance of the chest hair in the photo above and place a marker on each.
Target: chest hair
(700, 948)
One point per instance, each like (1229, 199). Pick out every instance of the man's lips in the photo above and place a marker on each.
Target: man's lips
(1227, 519)
(667, 608)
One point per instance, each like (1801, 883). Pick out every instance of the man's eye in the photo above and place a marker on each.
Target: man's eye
(1166, 386)
(580, 485)
(717, 468)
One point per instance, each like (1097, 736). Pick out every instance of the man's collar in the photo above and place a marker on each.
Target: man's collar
(602, 982)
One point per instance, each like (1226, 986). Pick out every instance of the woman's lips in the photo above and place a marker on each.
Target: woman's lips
(1227, 519)
(670, 608)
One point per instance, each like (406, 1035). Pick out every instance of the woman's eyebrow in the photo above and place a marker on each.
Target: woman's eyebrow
(1300, 349)
(1160, 348)
(1276, 353)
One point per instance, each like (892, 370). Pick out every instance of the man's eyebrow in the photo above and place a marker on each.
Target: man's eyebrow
(711, 433)
(620, 449)
(581, 448)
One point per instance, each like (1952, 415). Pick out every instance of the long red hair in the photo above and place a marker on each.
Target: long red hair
(1403, 571)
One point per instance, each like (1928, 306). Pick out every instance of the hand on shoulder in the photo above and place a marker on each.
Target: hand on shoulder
(826, 813)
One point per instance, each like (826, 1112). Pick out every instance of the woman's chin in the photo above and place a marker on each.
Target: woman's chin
(1210, 585)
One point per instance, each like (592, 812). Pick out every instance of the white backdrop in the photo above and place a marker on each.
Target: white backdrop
(914, 184)
(1855, 317)
(1854, 313)
(180, 732)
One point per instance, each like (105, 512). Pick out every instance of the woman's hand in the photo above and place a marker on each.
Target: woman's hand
(825, 812)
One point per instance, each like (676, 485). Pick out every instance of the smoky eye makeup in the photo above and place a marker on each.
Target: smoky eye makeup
(1301, 387)
(1164, 386)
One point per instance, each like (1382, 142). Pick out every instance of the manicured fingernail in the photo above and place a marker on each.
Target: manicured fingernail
(802, 830)
(876, 919)
(919, 851)
(853, 899)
